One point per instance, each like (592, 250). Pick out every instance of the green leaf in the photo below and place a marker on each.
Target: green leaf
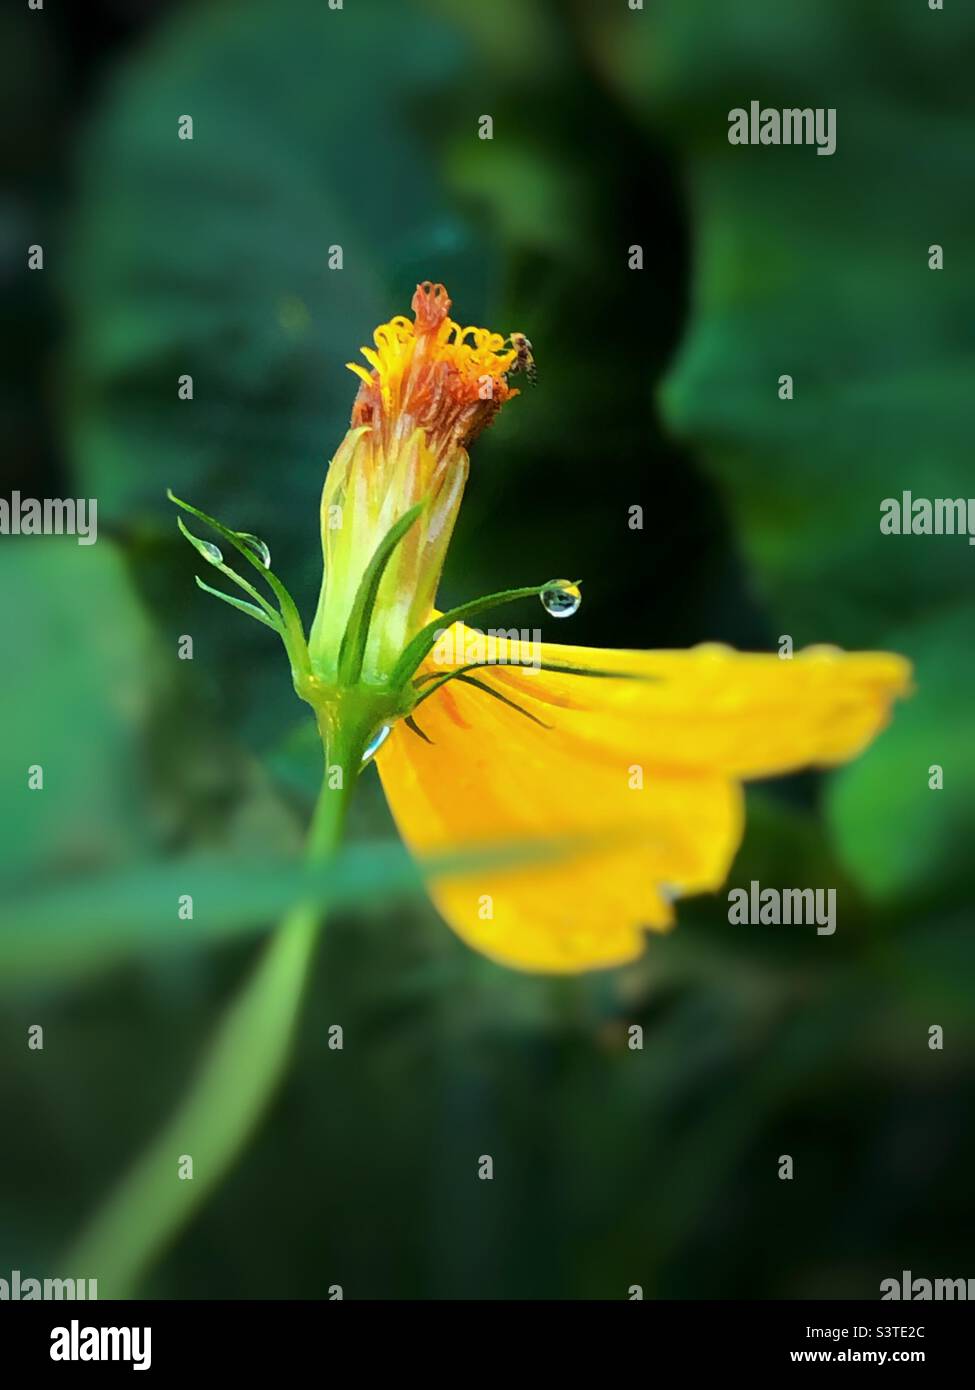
(56, 931)
(246, 302)
(904, 840)
(78, 688)
(816, 267)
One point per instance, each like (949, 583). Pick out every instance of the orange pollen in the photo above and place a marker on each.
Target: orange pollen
(432, 374)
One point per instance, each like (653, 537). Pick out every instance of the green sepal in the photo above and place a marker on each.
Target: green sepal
(292, 632)
(201, 546)
(424, 641)
(250, 609)
(440, 679)
(352, 649)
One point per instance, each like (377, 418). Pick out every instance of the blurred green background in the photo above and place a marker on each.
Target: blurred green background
(358, 127)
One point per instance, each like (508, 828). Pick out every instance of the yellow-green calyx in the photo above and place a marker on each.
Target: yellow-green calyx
(430, 387)
(388, 508)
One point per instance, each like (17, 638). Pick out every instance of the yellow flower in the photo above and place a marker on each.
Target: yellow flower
(433, 386)
(633, 760)
(649, 764)
(643, 767)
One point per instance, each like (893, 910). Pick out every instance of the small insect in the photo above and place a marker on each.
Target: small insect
(525, 361)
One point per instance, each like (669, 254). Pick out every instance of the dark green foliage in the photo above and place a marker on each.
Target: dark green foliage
(657, 387)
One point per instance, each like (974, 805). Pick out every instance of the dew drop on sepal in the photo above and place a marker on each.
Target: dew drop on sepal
(256, 546)
(376, 742)
(561, 598)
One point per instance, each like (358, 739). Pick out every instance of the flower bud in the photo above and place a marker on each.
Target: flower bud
(431, 388)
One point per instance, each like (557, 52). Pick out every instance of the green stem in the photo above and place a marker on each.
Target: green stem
(246, 1059)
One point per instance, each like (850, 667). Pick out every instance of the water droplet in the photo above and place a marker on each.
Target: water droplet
(376, 742)
(213, 552)
(257, 547)
(561, 598)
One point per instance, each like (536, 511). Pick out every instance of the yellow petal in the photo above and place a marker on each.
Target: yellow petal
(709, 708)
(647, 767)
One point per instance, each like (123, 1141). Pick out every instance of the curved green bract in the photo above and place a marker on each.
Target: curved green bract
(353, 647)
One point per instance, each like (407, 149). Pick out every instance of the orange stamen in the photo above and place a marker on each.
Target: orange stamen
(432, 374)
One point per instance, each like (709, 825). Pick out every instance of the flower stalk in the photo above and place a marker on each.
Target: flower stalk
(388, 509)
(243, 1065)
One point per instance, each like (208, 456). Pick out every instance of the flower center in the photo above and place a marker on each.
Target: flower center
(432, 374)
